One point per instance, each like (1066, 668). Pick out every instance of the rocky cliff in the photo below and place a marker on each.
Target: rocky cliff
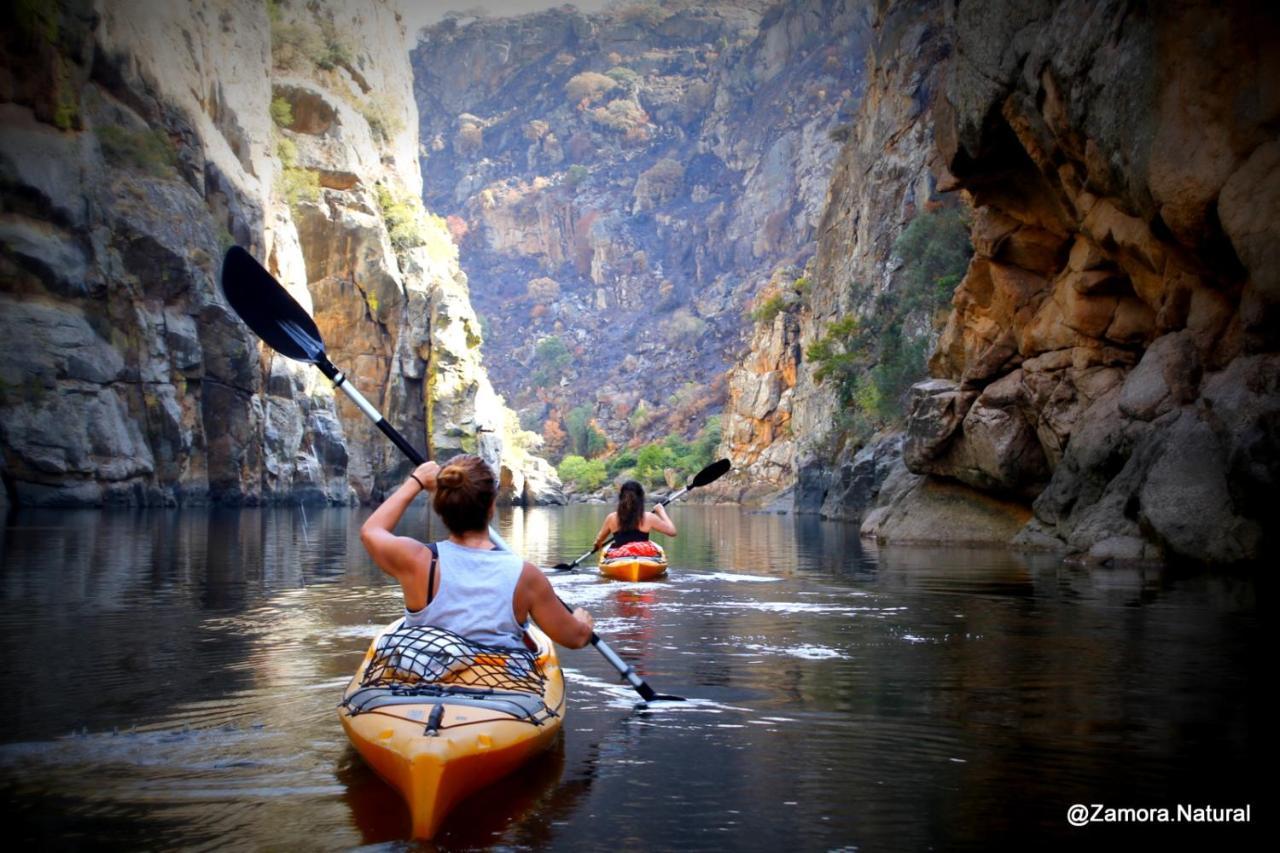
(138, 140)
(785, 429)
(1106, 380)
(627, 182)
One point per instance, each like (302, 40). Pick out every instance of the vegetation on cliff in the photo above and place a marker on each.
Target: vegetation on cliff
(873, 361)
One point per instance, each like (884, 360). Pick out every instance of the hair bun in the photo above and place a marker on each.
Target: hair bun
(451, 477)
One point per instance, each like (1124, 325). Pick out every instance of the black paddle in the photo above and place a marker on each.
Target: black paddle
(276, 317)
(710, 474)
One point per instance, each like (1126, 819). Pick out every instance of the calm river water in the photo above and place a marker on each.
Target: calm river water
(173, 678)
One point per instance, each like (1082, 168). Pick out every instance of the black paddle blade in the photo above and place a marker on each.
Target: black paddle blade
(268, 309)
(710, 474)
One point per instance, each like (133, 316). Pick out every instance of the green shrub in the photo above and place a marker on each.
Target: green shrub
(281, 111)
(335, 50)
(408, 223)
(660, 182)
(652, 460)
(935, 251)
(648, 463)
(584, 437)
(299, 185)
(550, 358)
(768, 310)
(640, 418)
(575, 174)
(622, 461)
(873, 363)
(584, 474)
(286, 151)
(149, 151)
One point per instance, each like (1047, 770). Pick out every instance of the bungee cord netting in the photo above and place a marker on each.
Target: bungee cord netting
(420, 660)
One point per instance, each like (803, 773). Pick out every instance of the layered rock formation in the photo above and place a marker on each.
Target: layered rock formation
(1113, 349)
(883, 177)
(138, 140)
(1107, 379)
(627, 181)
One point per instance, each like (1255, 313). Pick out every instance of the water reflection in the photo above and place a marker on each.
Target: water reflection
(178, 673)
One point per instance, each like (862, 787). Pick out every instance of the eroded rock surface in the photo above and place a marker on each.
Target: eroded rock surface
(138, 141)
(1105, 363)
(627, 181)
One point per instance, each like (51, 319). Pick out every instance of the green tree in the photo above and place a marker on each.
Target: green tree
(584, 437)
(584, 474)
(550, 358)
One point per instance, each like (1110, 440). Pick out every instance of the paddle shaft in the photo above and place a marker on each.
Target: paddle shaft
(339, 380)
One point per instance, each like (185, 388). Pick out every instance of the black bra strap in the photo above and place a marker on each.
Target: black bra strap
(431, 573)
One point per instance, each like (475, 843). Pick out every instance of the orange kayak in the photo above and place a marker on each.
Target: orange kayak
(634, 567)
(439, 731)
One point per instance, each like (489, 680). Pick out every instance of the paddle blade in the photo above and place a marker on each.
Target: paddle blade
(710, 474)
(268, 309)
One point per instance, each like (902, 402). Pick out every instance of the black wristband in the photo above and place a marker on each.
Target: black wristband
(414, 477)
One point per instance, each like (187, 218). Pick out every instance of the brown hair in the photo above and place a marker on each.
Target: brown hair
(465, 489)
(630, 505)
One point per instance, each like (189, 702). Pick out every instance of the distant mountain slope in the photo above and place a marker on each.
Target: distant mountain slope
(626, 182)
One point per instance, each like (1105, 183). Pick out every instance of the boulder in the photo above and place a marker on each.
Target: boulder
(936, 410)
(933, 511)
(855, 485)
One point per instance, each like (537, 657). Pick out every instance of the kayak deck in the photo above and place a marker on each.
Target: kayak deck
(437, 742)
(633, 568)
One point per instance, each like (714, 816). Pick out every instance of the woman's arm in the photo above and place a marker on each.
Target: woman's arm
(606, 530)
(659, 521)
(572, 630)
(397, 555)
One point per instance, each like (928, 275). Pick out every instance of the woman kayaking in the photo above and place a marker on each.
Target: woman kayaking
(631, 556)
(472, 588)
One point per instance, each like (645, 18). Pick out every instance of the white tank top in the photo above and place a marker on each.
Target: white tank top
(476, 596)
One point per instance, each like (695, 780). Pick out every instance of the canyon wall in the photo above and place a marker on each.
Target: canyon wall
(782, 426)
(137, 141)
(626, 182)
(1106, 379)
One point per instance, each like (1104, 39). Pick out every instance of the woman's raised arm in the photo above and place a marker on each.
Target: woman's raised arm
(397, 555)
(659, 521)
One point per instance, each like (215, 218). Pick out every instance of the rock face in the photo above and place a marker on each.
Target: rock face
(1117, 326)
(627, 181)
(1109, 362)
(138, 141)
(882, 178)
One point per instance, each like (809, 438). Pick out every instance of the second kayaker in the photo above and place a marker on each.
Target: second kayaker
(474, 590)
(630, 525)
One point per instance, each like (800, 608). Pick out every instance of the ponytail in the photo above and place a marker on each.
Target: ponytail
(630, 505)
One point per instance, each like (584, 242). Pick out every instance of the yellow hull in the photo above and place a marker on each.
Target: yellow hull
(435, 772)
(633, 568)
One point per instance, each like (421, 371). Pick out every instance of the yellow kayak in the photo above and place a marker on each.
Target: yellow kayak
(439, 718)
(630, 567)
